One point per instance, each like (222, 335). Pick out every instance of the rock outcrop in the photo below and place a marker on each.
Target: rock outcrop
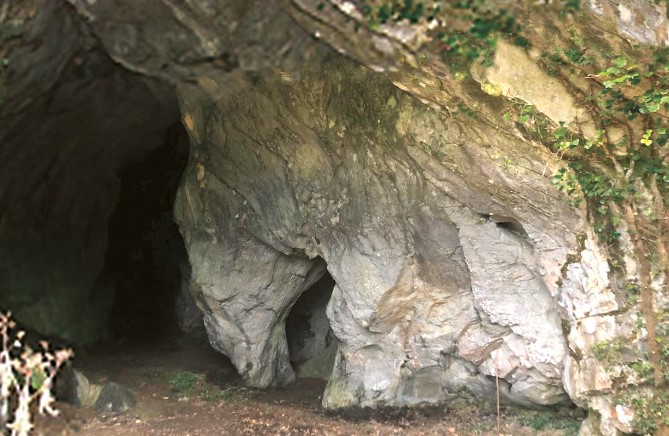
(321, 145)
(444, 238)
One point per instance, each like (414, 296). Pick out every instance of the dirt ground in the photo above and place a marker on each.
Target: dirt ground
(183, 388)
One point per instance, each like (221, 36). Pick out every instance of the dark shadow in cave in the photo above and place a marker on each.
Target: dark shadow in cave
(145, 253)
(311, 343)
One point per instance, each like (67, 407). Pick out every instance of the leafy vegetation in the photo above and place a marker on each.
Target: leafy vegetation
(650, 409)
(188, 383)
(183, 382)
(470, 33)
(564, 420)
(624, 180)
(215, 395)
(26, 376)
(610, 352)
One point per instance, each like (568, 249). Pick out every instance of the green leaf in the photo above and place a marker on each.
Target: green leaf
(653, 107)
(37, 379)
(523, 118)
(645, 139)
(620, 62)
(612, 70)
(561, 132)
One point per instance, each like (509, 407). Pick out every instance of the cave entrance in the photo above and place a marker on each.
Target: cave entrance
(146, 255)
(312, 345)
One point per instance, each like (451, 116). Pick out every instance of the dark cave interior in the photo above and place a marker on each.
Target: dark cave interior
(308, 330)
(146, 259)
(145, 251)
(92, 254)
(88, 174)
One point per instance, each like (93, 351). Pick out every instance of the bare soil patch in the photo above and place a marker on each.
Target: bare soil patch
(217, 403)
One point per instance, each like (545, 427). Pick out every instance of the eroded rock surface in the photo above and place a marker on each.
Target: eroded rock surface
(445, 254)
(455, 258)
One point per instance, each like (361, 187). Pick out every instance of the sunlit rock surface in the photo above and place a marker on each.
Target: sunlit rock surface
(444, 238)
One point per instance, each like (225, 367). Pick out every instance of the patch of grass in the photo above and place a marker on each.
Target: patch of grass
(610, 352)
(216, 395)
(193, 385)
(538, 422)
(569, 423)
(183, 382)
(213, 396)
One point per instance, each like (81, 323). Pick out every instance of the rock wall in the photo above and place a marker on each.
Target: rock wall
(70, 119)
(444, 237)
(456, 260)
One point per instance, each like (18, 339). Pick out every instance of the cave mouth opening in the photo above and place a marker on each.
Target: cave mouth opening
(312, 345)
(146, 256)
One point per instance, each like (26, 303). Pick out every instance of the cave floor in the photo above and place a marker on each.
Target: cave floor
(183, 388)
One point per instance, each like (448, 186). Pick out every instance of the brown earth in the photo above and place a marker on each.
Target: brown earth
(218, 404)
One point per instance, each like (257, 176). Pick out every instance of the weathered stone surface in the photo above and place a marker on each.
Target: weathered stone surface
(114, 398)
(456, 260)
(189, 316)
(639, 20)
(75, 388)
(321, 364)
(515, 75)
(192, 40)
(431, 271)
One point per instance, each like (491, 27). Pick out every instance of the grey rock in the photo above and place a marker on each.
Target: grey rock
(319, 365)
(189, 317)
(430, 269)
(114, 397)
(75, 388)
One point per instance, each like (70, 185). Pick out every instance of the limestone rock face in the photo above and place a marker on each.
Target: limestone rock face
(444, 238)
(456, 260)
(189, 317)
